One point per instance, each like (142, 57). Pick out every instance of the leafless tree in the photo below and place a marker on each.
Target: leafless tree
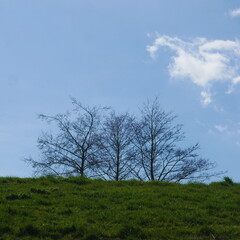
(73, 149)
(117, 149)
(118, 146)
(157, 139)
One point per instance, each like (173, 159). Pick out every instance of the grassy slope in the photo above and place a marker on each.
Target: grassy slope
(75, 208)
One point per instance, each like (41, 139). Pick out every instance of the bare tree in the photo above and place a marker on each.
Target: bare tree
(117, 149)
(160, 158)
(73, 149)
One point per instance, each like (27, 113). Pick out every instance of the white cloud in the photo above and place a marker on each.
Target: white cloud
(219, 109)
(236, 80)
(231, 87)
(152, 50)
(206, 98)
(221, 128)
(235, 12)
(203, 61)
(228, 130)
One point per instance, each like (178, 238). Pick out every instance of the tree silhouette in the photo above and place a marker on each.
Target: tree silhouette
(160, 157)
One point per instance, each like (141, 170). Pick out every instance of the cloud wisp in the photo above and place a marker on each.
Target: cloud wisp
(221, 128)
(204, 62)
(235, 12)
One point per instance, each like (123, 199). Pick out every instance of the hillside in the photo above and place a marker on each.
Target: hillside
(78, 208)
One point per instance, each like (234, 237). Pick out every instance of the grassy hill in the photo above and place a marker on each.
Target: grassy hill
(78, 208)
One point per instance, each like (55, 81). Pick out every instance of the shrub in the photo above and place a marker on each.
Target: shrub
(228, 180)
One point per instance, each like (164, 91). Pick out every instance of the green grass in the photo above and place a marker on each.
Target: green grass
(79, 208)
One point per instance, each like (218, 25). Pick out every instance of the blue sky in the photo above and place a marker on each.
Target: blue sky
(119, 53)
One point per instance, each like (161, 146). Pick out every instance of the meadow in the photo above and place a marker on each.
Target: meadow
(79, 208)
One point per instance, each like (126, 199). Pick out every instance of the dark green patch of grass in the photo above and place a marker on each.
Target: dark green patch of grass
(39, 191)
(28, 230)
(127, 231)
(4, 228)
(20, 196)
(66, 212)
(79, 208)
(78, 180)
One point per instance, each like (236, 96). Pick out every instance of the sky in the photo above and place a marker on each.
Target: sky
(121, 53)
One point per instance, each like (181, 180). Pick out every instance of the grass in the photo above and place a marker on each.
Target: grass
(78, 208)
